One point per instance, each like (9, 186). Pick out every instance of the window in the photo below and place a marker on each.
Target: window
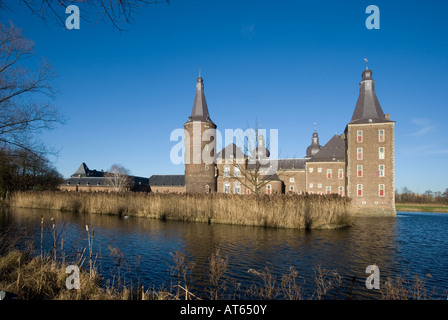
(310, 185)
(328, 190)
(227, 187)
(381, 153)
(381, 190)
(206, 167)
(359, 190)
(310, 170)
(237, 188)
(341, 173)
(359, 171)
(291, 179)
(381, 170)
(226, 171)
(329, 173)
(236, 172)
(319, 170)
(206, 147)
(341, 191)
(248, 191)
(319, 185)
(359, 136)
(359, 154)
(291, 188)
(381, 135)
(207, 188)
(268, 189)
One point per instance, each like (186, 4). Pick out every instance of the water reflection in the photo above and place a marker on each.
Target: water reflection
(400, 246)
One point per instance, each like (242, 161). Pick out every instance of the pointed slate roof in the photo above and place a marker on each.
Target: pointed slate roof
(334, 150)
(82, 171)
(200, 109)
(231, 149)
(368, 108)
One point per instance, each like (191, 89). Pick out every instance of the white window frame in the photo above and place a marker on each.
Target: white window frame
(341, 191)
(226, 171)
(329, 172)
(379, 190)
(341, 173)
(382, 154)
(359, 151)
(291, 179)
(310, 185)
(291, 188)
(226, 188)
(319, 170)
(319, 185)
(381, 172)
(310, 170)
(357, 171)
(327, 190)
(358, 135)
(237, 186)
(383, 138)
(236, 172)
(359, 187)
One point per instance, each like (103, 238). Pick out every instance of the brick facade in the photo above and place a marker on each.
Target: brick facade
(370, 167)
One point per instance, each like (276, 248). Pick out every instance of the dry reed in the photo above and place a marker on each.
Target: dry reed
(287, 211)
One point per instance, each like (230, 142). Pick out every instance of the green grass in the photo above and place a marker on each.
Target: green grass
(422, 207)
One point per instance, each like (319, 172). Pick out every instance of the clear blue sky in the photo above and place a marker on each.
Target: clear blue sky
(286, 63)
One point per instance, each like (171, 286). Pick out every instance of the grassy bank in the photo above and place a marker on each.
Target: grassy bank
(421, 207)
(288, 211)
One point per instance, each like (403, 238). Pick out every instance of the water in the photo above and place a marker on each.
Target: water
(402, 246)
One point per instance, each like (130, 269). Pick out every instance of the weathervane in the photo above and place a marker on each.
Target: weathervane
(367, 63)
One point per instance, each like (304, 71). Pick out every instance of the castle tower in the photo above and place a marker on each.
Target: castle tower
(200, 145)
(370, 154)
(314, 147)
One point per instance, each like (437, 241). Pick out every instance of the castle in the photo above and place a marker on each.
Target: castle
(358, 164)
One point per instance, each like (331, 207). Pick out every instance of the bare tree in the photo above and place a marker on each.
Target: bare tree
(255, 169)
(117, 12)
(25, 95)
(118, 177)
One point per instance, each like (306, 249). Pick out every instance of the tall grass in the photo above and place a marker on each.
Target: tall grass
(288, 211)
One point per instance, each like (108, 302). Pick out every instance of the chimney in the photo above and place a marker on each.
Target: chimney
(387, 115)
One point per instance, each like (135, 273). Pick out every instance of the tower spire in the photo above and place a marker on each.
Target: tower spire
(367, 63)
(368, 108)
(200, 109)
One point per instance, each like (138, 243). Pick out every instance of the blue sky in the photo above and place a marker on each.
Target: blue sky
(285, 63)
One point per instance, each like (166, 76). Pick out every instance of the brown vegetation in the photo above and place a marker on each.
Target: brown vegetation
(289, 211)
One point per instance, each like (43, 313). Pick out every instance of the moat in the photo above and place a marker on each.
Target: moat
(401, 246)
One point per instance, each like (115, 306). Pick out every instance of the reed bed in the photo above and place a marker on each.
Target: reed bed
(285, 211)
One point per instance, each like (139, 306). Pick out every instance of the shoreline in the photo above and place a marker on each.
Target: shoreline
(421, 207)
